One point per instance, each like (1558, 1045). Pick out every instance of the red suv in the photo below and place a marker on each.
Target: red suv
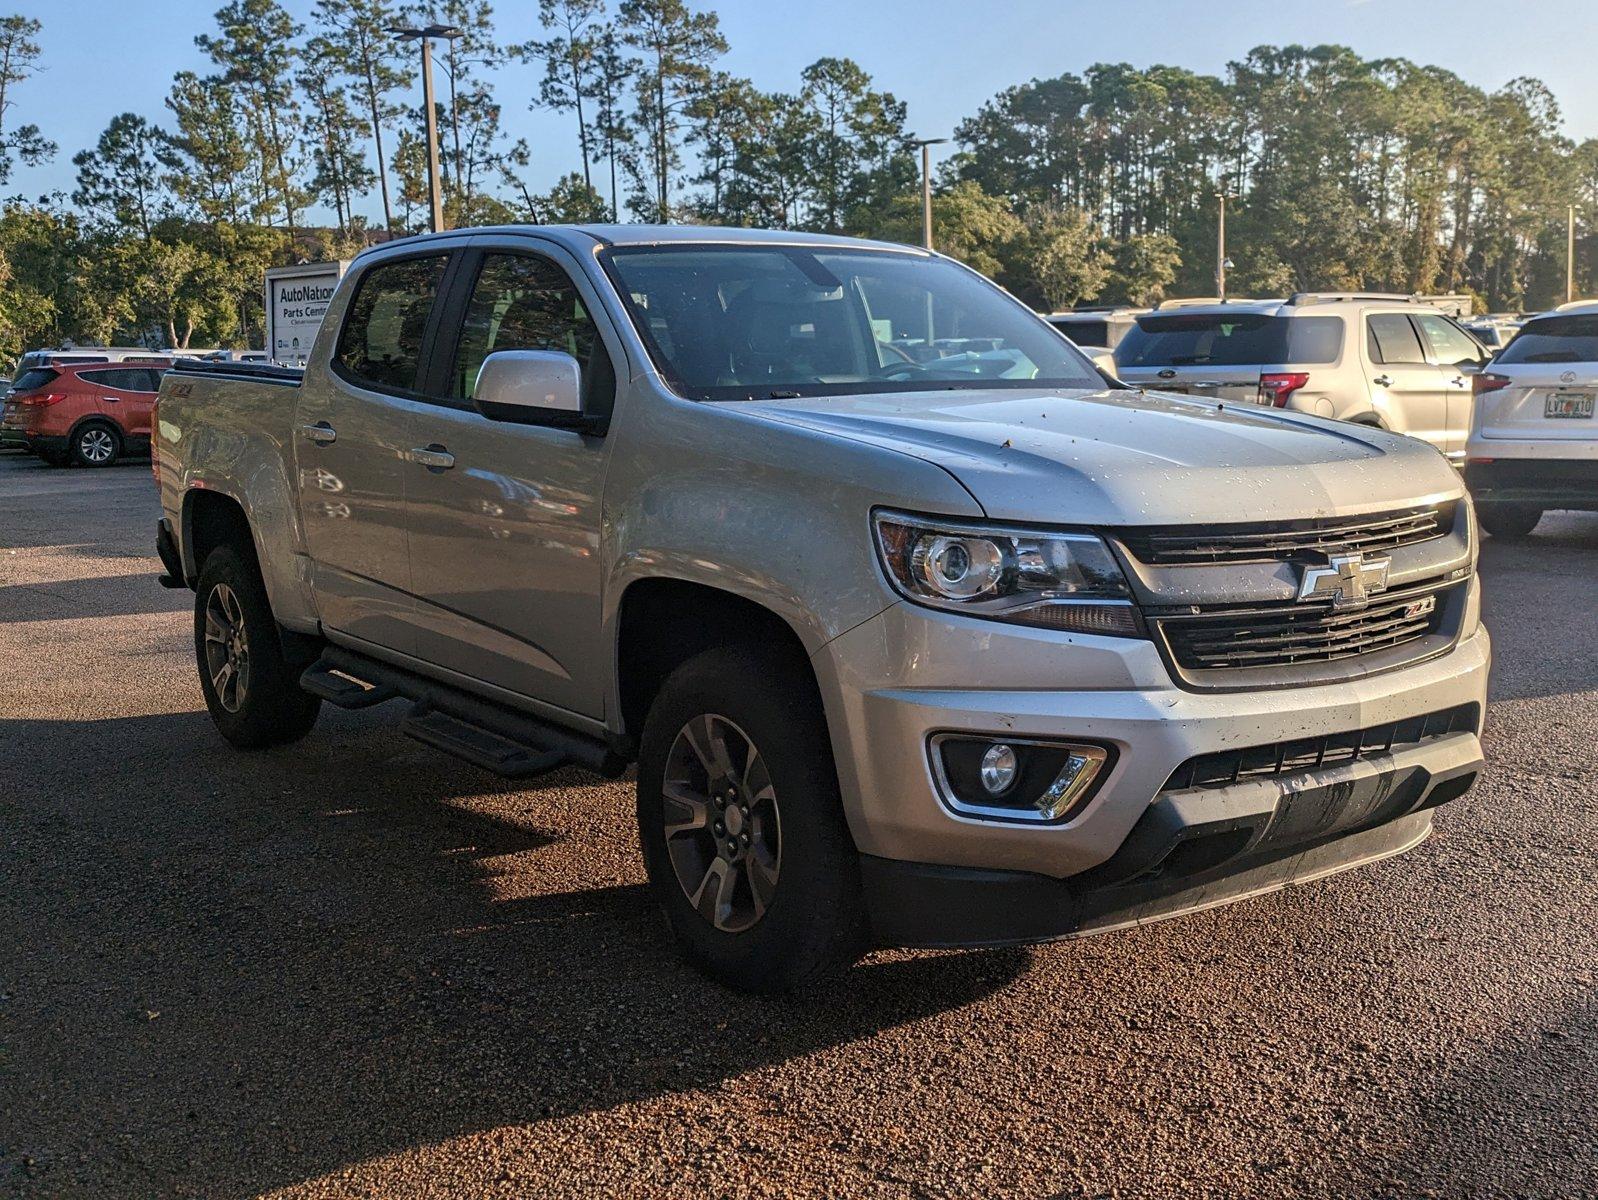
(89, 413)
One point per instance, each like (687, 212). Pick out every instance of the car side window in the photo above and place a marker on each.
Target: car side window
(527, 302)
(1450, 344)
(1392, 339)
(381, 341)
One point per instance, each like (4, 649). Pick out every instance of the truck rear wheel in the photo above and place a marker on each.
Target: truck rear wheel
(742, 828)
(1508, 522)
(251, 689)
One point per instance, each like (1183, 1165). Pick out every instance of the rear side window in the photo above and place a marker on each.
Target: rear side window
(381, 342)
(1554, 340)
(1393, 340)
(35, 377)
(124, 379)
(1230, 340)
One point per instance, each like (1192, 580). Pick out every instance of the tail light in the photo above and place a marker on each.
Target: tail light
(1488, 381)
(1277, 389)
(42, 399)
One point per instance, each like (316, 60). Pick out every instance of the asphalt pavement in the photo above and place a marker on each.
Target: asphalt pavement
(354, 967)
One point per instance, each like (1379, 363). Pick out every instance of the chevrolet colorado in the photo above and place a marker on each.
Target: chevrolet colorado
(920, 630)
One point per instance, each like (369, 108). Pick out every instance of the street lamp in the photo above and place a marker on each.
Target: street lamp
(425, 34)
(1221, 261)
(926, 145)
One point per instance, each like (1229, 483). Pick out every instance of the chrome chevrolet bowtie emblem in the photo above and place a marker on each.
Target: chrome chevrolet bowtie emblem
(1347, 580)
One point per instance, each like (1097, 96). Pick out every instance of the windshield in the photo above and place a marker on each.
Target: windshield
(1554, 340)
(755, 322)
(1241, 339)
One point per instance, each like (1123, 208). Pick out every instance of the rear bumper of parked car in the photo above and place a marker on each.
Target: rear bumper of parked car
(1554, 478)
(1147, 845)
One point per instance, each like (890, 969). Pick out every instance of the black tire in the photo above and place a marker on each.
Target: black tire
(1508, 522)
(813, 923)
(54, 458)
(269, 708)
(96, 444)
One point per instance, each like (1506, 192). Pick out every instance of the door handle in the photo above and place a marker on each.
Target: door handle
(433, 457)
(109, 399)
(1458, 381)
(1382, 381)
(321, 433)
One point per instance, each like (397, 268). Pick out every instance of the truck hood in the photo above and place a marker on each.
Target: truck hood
(1122, 457)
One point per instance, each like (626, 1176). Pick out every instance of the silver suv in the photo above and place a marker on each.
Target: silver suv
(1385, 361)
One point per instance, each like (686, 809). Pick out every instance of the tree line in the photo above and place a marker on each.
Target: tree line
(1339, 172)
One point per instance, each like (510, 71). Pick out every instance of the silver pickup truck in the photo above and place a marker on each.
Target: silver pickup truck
(920, 630)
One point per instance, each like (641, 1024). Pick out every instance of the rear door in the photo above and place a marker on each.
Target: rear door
(504, 518)
(351, 434)
(1458, 356)
(1409, 391)
(1550, 374)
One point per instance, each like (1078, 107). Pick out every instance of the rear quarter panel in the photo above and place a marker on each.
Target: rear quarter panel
(231, 436)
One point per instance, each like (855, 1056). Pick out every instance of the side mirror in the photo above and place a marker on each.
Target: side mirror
(533, 387)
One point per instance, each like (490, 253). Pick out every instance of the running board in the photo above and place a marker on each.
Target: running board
(495, 737)
(478, 746)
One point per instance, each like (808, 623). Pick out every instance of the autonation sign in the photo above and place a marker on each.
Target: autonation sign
(296, 300)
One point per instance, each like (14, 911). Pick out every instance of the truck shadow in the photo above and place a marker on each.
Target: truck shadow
(232, 973)
(1525, 592)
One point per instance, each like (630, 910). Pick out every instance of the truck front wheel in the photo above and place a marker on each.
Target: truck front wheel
(251, 689)
(742, 829)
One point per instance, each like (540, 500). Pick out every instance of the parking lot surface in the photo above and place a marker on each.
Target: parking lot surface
(354, 967)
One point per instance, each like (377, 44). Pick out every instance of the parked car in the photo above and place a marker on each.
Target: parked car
(1382, 361)
(1534, 441)
(957, 647)
(88, 414)
(1090, 326)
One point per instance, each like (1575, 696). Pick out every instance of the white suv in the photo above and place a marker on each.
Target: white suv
(1385, 361)
(1534, 441)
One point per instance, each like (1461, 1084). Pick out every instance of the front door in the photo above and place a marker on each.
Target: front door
(1456, 356)
(505, 518)
(1409, 392)
(350, 438)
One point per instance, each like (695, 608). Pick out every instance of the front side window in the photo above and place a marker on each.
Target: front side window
(1554, 340)
(1451, 345)
(1393, 340)
(523, 302)
(756, 322)
(381, 342)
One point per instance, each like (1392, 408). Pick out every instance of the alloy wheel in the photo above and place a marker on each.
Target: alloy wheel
(96, 445)
(227, 648)
(723, 832)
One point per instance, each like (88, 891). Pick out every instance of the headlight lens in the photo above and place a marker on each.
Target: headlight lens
(1056, 580)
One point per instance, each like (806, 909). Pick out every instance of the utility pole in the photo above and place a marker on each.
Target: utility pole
(1570, 253)
(926, 145)
(425, 36)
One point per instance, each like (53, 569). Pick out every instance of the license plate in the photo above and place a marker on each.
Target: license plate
(1568, 404)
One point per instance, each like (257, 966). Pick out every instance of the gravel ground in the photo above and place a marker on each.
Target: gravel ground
(358, 968)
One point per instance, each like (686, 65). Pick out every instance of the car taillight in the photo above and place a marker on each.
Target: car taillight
(1487, 381)
(43, 399)
(1276, 389)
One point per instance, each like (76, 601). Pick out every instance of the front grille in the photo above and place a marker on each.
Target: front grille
(1285, 635)
(1226, 767)
(1373, 533)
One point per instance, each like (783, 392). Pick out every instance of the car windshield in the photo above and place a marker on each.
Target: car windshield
(1554, 340)
(756, 322)
(1239, 339)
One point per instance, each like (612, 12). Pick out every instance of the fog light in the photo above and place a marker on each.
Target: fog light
(1018, 780)
(998, 769)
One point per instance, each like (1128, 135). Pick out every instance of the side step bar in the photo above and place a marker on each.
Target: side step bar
(514, 744)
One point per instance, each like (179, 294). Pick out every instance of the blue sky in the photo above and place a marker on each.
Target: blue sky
(943, 57)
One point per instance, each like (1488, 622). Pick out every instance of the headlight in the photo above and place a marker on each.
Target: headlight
(1056, 580)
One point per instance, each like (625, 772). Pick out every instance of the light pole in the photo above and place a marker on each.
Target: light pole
(1570, 253)
(1221, 261)
(926, 145)
(425, 35)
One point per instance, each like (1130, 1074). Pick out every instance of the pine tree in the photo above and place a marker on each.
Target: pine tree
(19, 62)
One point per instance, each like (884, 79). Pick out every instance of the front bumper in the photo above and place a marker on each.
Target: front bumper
(1544, 481)
(892, 683)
